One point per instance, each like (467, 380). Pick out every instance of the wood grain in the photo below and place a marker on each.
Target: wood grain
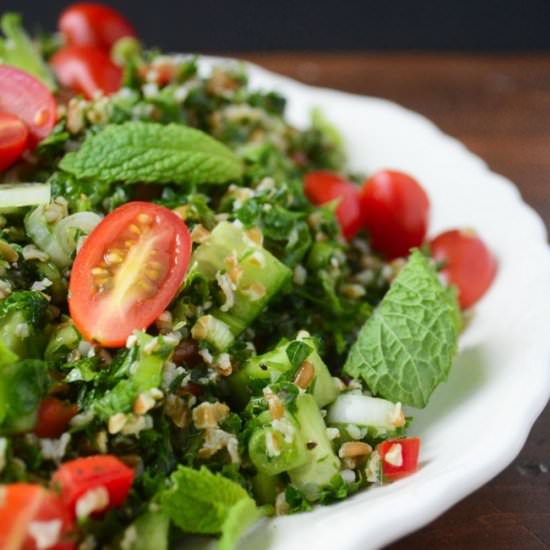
(499, 106)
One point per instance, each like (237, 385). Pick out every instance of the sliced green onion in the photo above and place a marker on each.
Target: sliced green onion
(59, 241)
(15, 195)
(41, 234)
(363, 410)
(69, 229)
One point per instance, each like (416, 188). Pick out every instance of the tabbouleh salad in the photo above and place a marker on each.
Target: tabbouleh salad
(205, 319)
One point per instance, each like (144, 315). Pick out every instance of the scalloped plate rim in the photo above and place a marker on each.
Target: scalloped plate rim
(454, 486)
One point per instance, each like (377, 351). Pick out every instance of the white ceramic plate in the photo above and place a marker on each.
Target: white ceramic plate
(477, 422)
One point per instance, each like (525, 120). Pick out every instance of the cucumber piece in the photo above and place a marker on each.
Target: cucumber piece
(212, 330)
(144, 367)
(265, 488)
(7, 356)
(63, 340)
(261, 275)
(269, 366)
(22, 320)
(22, 386)
(17, 195)
(323, 387)
(322, 464)
(274, 451)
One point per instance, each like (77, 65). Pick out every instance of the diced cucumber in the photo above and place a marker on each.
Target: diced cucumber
(274, 451)
(379, 415)
(145, 373)
(22, 386)
(7, 356)
(17, 195)
(212, 330)
(22, 319)
(322, 464)
(265, 488)
(63, 340)
(226, 239)
(261, 275)
(323, 387)
(269, 366)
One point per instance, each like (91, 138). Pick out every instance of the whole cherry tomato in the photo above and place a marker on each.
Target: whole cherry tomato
(395, 212)
(322, 187)
(86, 70)
(13, 139)
(24, 96)
(467, 264)
(93, 24)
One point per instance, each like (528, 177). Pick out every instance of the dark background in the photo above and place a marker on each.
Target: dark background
(246, 25)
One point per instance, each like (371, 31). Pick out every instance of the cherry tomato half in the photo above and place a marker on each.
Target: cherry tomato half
(28, 99)
(322, 187)
(399, 457)
(75, 478)
(53, 417)
(93, 24)
(28, 513)
(467, 264)
(13, 139)
(86, 70)
(127, 272)
(395, 212)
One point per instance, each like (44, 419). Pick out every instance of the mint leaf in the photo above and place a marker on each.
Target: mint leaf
(154, 153)
(201, 502)
(406, 348)
(18, 50)
(240, 517)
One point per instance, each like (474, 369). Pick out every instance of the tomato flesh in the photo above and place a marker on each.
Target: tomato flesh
(93, 24)
(395, 212)
(322, 187)
(29, 100)
(128, 271)
(13, 139)
(54, 416)
(23, 508)
(407, 452)
(86, 70)
(467, 264)
(77, 477)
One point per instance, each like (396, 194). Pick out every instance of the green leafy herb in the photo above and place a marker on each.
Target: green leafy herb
(407, 347)
(18, 50)
(153, 153)
(205, 503)
(240, 516)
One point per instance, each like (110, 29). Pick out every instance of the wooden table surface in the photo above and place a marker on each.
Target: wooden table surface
(499, 106)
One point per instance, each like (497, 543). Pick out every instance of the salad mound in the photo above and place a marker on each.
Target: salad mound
(205, 319)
